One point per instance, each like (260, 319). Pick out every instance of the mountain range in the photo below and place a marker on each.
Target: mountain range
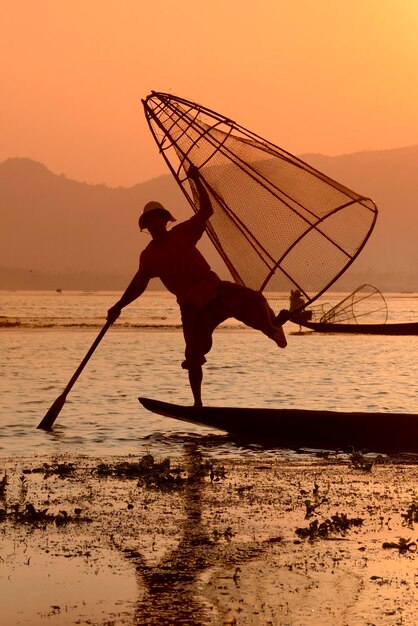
(60, 233)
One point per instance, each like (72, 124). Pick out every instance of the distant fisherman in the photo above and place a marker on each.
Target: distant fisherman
(205, 300)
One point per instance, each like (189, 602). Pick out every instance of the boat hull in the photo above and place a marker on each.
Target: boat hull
(406, 328)
(298, 428)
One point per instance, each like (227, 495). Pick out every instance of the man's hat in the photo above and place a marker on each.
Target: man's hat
(150, 207)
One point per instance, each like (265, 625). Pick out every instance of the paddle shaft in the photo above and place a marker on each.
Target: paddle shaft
(52, 414)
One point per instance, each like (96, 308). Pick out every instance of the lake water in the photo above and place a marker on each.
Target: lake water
(45, 335)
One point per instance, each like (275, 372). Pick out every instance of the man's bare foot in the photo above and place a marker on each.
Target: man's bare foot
(282, 317)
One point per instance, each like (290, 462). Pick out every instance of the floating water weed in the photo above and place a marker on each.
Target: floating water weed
(338, 523)
(154, 474)
(7, 323)
(310, 508)
(23, 484)
(361, 462)
(411, 516)
(225, 534)
(318, 500)
(403, 545)
(62, 470)
(244, 488)
(148, 472)
(3, 485)
(31, 515)
(206, 467)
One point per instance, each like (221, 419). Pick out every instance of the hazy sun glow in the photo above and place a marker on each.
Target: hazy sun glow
(319, 76)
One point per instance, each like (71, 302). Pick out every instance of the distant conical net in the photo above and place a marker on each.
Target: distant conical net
(278, 223)
(366, 305)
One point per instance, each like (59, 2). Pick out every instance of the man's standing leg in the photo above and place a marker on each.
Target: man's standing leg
(195, 380)
(198, 338)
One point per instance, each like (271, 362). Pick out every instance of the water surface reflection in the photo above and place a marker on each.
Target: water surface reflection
(173, 589)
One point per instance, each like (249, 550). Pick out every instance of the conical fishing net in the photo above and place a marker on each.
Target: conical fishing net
(365, 305)
(278, 223)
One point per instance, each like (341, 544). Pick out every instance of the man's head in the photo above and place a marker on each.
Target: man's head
(151, 211)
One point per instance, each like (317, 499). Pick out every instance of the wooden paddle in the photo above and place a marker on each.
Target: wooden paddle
(53, 412)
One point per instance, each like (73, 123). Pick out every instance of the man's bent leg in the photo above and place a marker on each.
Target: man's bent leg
(277, 333)
(252, 308)
(195, 380)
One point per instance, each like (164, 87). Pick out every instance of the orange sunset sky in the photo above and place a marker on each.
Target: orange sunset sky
(325, 76)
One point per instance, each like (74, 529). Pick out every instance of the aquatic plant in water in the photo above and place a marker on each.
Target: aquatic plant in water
(3, 485)
(29, 514)
(403, 545)
(361, 462)
(411, 515)
(162, 475)
(338, 523)
(148, 472)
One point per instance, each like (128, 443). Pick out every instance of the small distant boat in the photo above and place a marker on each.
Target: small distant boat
(302, 428)
(348, 316)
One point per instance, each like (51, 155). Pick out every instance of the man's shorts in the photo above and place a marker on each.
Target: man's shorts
(231, 300)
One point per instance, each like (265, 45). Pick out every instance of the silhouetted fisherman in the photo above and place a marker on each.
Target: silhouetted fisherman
(296, 303)
(205, 300)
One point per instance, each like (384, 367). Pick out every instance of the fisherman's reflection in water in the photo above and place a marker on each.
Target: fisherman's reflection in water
(171, 589)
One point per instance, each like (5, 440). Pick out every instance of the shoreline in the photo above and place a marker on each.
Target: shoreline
(207, 540)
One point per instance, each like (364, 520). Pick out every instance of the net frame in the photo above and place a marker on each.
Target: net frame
(164, 112)
(364, 302)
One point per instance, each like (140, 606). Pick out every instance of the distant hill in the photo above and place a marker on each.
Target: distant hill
(60, 233)
(56, 232)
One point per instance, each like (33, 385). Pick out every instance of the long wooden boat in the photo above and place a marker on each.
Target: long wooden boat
(299, 428)
(405, 328)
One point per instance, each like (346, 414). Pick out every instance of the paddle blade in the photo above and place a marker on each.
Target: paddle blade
(52, 414)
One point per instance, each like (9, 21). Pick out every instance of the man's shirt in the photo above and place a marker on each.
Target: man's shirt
(179, 264)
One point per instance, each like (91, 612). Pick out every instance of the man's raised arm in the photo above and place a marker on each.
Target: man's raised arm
(206, 209)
